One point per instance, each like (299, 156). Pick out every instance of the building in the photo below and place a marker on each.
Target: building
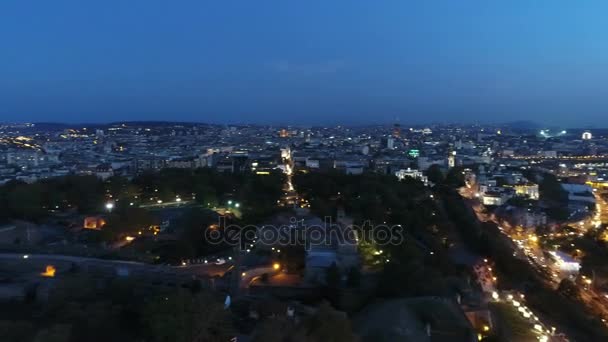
(529, 190)
(94, 222)
(452, 159)
(579, 193)
(397, 130)
(494, 198)
(587, 135)
(388, 142)
(416, 174)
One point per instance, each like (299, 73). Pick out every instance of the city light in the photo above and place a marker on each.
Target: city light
(276, 266)
(49, 271)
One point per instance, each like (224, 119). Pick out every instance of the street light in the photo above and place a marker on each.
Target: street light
(230, 202)
(109, 206)
(236, 205)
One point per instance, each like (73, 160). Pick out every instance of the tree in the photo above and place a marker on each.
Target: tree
(332, 276)
(16, 331)
(26, 201)
(56, 333)
(326, 325)
(435, 174)
(568, 288)
(128, 221)
(551, 190)
(455, 177)
(274, 329)
(186, 317)
(354, 277)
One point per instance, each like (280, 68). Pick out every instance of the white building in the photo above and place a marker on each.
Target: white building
(493, 198)
(416, 174)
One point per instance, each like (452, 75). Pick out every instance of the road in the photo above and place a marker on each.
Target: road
(529, 247)
(209, 269)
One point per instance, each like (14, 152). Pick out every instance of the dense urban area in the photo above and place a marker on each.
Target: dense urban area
(162, 231)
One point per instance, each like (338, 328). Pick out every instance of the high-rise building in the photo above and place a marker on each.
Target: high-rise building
(388, 142)
(396, 130)
(587, 135)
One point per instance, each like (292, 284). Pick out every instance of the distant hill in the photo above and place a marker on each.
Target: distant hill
(523, 125)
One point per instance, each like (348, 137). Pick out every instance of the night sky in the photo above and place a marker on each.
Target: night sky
(304, 62)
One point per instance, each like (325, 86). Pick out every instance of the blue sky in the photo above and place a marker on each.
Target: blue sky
(338, 61)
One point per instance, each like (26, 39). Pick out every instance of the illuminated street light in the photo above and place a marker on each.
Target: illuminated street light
(109, 206)
(230, 202)
(276, 266)
(236, 205)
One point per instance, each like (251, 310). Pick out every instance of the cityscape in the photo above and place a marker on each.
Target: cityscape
(502, 230)
(313, 171)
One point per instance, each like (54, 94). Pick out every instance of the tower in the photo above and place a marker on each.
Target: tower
(396, 130)
(452, 159)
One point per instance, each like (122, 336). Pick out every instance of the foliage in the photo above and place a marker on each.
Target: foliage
(87, 194)
(326, 325)
(353, 278)
(184, 317)
(332, 276)
(435, 174)
(551, 190)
